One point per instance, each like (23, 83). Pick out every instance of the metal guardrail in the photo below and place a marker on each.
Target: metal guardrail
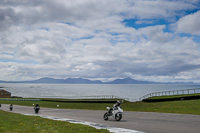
(69, 97)
(171, 93)
(83, 97)
(97, 97)
(14, 99)
(91, 97)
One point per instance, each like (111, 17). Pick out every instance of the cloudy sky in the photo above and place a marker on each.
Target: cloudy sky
(154, 40)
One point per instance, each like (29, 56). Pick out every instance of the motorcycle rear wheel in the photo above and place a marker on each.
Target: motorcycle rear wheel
(36, 111)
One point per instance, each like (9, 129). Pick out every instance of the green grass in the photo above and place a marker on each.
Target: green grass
(89, 106)
(17, 123)
(181, 107)
(174, 96)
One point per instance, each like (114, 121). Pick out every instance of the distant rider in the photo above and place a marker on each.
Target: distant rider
(37, 106)
(11, 107)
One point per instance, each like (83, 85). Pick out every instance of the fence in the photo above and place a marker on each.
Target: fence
(70, 97)
(14, 99)
(171, 93)
(90, 97)
(94, 97)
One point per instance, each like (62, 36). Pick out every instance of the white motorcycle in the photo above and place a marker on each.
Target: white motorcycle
(115, 112)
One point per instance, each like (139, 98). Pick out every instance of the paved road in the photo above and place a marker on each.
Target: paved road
(140, 121)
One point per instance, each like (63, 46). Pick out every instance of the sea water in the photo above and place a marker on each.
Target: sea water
(131, 91)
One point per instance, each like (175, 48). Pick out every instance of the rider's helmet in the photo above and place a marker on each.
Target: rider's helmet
(119, 102)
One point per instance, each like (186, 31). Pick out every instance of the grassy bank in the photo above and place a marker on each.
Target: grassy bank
(62, 105)
(181, 106)
(184, 96)
(17, 123)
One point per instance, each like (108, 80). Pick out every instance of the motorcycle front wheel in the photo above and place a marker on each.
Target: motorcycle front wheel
(118, 116)
(105, 117)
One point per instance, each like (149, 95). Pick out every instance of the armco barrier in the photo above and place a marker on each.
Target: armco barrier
(83, 101)
(13, 99)
(172, 99)
(171, 93)
(109, 98)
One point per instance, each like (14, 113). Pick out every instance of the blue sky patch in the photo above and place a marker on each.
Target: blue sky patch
(137, 24)
(44, 28)
(194, 37)
(19, 61)
(82, 38)
(5, 53)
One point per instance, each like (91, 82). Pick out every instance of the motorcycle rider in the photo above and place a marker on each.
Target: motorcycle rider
(37, 106)
(11, 107)
(118, 103)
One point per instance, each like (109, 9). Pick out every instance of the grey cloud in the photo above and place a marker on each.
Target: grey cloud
(8, 18)
(87, 39)
(32, 12)
(189, 24)
(37, 11)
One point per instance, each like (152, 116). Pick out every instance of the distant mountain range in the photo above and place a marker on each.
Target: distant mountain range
(47, 80)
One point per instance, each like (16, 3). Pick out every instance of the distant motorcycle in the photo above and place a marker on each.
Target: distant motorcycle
(115, 112)
(11, 107)
(37, 108)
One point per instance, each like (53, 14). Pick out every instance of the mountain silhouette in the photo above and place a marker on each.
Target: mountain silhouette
(48, 80)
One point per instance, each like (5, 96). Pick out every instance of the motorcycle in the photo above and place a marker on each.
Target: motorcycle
(115, 112)
(37, 108)
(11, 107)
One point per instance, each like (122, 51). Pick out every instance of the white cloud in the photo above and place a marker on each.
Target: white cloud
(189, 24)
(84, 38)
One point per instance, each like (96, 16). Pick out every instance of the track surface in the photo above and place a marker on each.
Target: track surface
(140, 121)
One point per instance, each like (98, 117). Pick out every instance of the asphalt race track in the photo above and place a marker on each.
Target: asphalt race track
(136, 121)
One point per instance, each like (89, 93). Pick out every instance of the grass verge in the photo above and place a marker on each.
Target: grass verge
(17, 123)
(175, 96)
(180, 107)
